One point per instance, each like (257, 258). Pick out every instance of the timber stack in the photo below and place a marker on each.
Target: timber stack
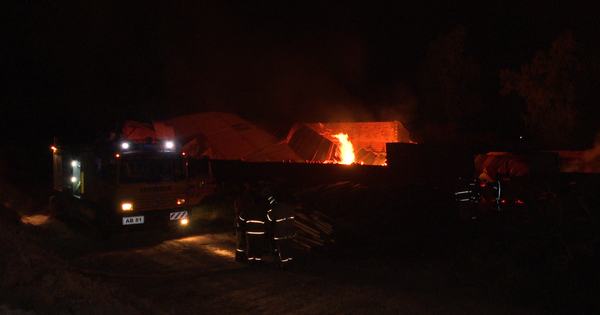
(313, 231)
(325, 216)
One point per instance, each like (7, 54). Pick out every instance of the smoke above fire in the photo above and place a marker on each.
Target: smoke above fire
(308, 76)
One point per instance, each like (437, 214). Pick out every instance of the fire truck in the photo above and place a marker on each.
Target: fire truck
(138, 178)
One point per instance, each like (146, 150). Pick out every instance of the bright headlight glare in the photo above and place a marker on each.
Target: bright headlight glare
(169, 144)
(184, 221)
(127, 206)
(125, 145)
(73, 179)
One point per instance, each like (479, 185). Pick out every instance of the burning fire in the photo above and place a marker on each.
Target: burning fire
(345, 149)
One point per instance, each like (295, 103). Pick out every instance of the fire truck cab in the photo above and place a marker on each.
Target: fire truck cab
(137, 178)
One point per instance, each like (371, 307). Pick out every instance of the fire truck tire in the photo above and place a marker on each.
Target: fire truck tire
(106, 222)
(106, 227)
(58, 206)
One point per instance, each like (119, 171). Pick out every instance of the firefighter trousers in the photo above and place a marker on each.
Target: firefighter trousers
(286, 250)
(255, 246)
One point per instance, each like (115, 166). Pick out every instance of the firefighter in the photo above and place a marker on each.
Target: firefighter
(254, 217)
(468, 195)
(281, 216)
(241, 243)
(242, 199)
(268, 200)
(240, 225)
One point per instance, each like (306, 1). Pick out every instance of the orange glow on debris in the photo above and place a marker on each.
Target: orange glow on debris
(345, 149)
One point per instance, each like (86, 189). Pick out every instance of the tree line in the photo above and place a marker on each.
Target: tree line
(549, 103)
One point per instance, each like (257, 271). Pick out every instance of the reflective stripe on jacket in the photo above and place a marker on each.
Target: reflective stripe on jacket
(283, 216)
(255, 217)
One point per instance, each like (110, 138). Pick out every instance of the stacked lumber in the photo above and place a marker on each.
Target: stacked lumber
(314, 230)
(316, 227)
(331, 214)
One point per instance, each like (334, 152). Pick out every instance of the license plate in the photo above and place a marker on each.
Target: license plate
(133, 220)
(178, 215)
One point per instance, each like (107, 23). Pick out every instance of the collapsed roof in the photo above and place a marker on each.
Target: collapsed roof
(315, 142)
(224, 136)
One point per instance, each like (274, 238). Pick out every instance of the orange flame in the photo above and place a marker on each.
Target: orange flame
(345, 149)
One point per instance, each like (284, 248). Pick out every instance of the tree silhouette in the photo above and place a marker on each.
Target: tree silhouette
(548, 85)
(448, 83)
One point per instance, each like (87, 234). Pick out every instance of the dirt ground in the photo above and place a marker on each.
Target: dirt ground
(398, 263)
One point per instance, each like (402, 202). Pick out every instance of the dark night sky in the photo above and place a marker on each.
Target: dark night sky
(73, 67)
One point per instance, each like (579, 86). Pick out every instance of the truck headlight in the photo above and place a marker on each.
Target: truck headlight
(126, 206)
(184, 221)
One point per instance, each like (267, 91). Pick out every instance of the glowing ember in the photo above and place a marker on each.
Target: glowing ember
(345, 149)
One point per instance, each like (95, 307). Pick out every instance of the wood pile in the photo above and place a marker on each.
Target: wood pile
(315, 230)
(332, 215)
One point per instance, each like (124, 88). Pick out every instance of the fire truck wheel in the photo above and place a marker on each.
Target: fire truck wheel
(106, 222)
(106, 226)
(58, 206)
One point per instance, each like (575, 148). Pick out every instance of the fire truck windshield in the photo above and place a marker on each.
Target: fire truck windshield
(152, 168)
